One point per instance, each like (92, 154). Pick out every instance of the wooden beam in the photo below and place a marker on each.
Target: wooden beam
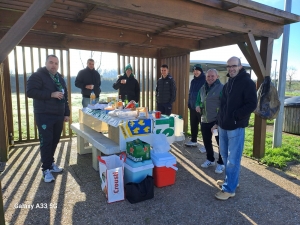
(7, 90)
(172, 52)
(288, 17)
(86, 13)
(170, 9)
(223, 40)
(4, 144)
(22, 26)
(255, 55)
(66, 27)
(259, 137)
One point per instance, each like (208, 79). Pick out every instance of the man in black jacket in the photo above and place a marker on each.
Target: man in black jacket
(51, 109)
(238, 101)
(165, 91)
(88, 80)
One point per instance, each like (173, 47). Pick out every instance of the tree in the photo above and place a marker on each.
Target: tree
(97, 56)
(291, 71)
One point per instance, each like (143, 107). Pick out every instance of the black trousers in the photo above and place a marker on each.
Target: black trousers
(207, 136)
(50, 128)
(164, 108)
(195, 120)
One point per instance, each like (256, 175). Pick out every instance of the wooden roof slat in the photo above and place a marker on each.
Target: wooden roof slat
(203, 17)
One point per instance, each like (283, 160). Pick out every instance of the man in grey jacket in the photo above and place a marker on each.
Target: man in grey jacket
(208, 103)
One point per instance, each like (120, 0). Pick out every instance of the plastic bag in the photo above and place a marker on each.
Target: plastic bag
(268, 101)
(160, 143)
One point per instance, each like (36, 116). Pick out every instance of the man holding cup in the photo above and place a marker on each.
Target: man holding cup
(208, 104)
(88, 80)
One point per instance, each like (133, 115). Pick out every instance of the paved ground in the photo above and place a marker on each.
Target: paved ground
(265, 196)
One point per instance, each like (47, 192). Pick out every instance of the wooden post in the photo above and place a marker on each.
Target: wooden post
(18, 31)
(4, 145)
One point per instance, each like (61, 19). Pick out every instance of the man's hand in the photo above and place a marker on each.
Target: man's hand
(198, 109)
(89, 86)
(57, 94)
(66, 119)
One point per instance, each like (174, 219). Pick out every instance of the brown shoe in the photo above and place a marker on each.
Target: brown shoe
(221, 182)
(222, 195)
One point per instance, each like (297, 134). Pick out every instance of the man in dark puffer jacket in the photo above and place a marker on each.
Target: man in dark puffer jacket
(165, 91)
(238, 101)
(51, 109)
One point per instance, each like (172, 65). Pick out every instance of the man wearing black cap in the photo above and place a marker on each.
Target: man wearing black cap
(165, 91)
(195, 117)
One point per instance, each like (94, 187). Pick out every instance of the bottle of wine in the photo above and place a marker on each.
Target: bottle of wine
(120, 103)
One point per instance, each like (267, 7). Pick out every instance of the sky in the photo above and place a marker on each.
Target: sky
(224, 53)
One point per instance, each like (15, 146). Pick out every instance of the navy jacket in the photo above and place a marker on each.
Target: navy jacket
(86, 77)
(165, 90)
(40, 85)
(238, 101)
(196, 85)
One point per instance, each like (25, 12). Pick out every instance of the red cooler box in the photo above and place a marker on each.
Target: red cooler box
(164, 171)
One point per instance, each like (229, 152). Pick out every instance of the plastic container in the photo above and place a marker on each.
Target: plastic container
(164, 171)
(137, 171)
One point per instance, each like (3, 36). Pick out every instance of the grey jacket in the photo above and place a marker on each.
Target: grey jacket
(209, 101)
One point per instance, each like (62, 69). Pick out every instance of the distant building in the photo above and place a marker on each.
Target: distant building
(218, 65)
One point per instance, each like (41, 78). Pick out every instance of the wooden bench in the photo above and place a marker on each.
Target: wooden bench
(100, 143)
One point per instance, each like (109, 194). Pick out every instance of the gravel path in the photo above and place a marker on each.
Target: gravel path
(265, 196)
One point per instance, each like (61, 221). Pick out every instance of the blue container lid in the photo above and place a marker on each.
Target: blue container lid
(138, 164)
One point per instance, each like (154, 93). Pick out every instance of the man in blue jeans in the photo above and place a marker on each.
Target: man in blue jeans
(238, 101)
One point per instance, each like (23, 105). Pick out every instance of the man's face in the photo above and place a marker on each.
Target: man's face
(233, 67)
(90, 64)
(128, 72)
(197, 73)
(211, 77)
(164, 71)
(52, 65)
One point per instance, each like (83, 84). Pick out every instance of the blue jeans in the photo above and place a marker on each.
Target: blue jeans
(231, 149)
(86, 101)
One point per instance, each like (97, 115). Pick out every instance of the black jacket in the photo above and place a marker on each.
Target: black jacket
(166, 90)
(195, 87)
(131, 88)
(87, 77)
(40, 85)
(238, 101)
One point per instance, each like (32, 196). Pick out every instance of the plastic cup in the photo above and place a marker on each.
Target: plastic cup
(157, 114)
(124, 81)
(215, 132)
(92, 86)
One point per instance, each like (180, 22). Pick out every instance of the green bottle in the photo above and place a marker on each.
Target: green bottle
(126, 100)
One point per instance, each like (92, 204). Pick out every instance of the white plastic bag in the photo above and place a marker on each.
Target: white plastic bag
(160, 143)
(111, 170)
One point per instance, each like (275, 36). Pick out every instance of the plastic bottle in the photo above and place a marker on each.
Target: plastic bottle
(92, 98)
(120, 103)
(126, 100)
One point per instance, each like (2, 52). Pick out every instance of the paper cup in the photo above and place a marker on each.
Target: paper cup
(92, 86)
(215, 132)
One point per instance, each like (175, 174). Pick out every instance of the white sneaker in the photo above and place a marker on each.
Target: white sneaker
(191, 144)
(47, 176)
(220, 168)
(202, 149)
(55, 168)
(207, 163)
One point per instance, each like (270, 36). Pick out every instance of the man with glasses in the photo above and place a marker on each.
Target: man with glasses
(238, 101)
(51, 109)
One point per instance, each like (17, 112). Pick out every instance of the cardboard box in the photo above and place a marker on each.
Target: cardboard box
(137, 150)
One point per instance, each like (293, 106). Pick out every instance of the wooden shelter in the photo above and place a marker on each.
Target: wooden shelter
(166, 30)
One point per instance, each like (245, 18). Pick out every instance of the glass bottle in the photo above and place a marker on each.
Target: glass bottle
(92, 98)
(120, 103)
(126, 100)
